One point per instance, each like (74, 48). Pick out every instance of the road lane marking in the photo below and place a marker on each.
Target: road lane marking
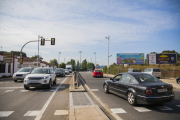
(94, 90)
(5, 113)
(32, 113)
(38, 117)
(142, 109)
(118, 110)
(24, 90)
(9, 91)
(61, 112)
(164, 108)
(178, 105)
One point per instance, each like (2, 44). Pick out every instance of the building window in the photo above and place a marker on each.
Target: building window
(2, 67)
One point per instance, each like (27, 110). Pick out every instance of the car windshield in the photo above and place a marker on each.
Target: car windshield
(24, 70)
(136, 71)
(145, 78)
(59, 70)
(66, 70)
(40, 71)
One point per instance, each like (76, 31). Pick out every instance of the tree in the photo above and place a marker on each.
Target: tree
(54, 62)
(73, 63)
(83, 65)
(18, 53)
(36, 56)
(78, 65)
(62, 65)
(90, 66)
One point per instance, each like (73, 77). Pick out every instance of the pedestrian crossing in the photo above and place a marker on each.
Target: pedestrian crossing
(143, 109)
(32, 113)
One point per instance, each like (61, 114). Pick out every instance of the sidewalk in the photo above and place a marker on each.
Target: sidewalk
(171, 81)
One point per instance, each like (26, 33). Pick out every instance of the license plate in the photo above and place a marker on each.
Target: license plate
(162, 90)
(34, 82)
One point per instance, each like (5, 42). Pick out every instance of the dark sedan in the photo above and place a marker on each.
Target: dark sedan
(139, 88)
(60, 72)
(178, 80)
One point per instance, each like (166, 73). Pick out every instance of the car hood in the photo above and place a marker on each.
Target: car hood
(22, 73)
(58, 71)
(37, 75)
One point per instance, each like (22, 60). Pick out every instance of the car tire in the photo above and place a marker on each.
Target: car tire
(25, 87)
(106, 90)
(54, 81)
(15, 80)
(49, 85)
(102, 76)
(131, 98)
(178, 81)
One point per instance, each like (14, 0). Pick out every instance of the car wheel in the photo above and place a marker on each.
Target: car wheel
(49, 85)
(25, 87)
(106, 90)
(54, 81)
(178, 81)
(131, 98)
(15, 80)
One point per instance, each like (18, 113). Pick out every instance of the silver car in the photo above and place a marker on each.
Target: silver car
(153, 71)
(66, 71)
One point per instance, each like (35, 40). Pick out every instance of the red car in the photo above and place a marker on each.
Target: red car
(97, 73)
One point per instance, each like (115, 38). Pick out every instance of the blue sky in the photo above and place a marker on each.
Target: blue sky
(81, 25)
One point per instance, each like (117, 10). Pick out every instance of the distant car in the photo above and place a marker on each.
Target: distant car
(21, 73)
(66, 71)
(59, 72)
(97, 73)
(139, 88)
(134, 71)
(153, 71)
(178, 80)
(40, 77)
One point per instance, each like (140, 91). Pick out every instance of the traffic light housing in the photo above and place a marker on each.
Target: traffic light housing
(42, 41)
(21, 61)
(52, 41)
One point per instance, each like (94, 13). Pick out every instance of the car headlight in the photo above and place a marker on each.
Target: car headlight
(45, 77)
(26, 78)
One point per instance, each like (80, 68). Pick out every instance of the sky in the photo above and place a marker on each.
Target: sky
(134, 26)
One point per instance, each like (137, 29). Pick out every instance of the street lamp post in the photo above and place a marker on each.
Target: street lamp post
(64, 60)
(58, 59)
(80, 60)
(95, 59)
(108, 53)
(38, 49)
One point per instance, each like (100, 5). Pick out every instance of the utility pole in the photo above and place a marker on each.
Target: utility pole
(58, 59)
(95, 59)
(38, 50)
(80, 60)
(64, 60)
(108, 53)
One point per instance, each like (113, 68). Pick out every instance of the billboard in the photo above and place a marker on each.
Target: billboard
(130, 58)
(168, 58)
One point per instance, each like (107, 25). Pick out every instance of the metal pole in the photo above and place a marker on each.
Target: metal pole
(80, 60)
(38, 51)
(108, 54)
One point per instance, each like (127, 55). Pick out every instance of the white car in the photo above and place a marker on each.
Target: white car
(21, 73)
(40, 77)
(153, 71)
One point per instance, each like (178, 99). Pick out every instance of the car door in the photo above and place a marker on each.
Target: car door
(114, 83)
(124, 84)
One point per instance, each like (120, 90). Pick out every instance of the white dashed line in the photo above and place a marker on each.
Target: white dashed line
(32, 113)
(5, 113)
(142, 109)
(24, 90)
(118, 110)
(94, 90)
(164, 108)
(61, 112)
(9, 91)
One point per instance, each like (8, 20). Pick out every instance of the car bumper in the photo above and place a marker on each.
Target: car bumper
(18, 78)
(36, 85)
(154, 100)
(59, 74)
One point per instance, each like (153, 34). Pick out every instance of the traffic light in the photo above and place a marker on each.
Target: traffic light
(21, 61)
(42, 41)
(52, 41)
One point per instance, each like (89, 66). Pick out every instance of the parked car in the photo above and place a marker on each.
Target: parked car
(139, 88)
(59, 72)
(66, 71)
(40, 77)
(178, 80)
(21, 73)
(97, 73)
(134, 71)
(153, 71)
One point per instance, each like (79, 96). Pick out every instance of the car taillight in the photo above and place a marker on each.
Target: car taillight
(148, 90)
(171, 88)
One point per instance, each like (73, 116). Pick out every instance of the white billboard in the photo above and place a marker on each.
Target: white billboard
(152, 58)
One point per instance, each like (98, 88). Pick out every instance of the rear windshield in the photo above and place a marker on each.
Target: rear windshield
(147, 78)
(24, 70)
(156, 70)
(59, 70)
(136, 71)
(98, 71)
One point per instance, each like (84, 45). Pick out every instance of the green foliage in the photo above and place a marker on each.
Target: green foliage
(83, 65)
(105, 69)
(73, 63)
(62, 65)
(18, 53)
(36, 56)
(90, 66)
(77, 66)
(54, 62)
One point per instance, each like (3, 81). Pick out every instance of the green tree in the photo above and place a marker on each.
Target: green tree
(54, 62)
(18, 53)
(62, 65)
(78, 65)
(83, 65)
(36, 56)
(90, 66)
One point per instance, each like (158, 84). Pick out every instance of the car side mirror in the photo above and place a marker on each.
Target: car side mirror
(111, 79)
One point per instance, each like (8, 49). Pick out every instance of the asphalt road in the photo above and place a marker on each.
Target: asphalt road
(120, 106)
(16, 103)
